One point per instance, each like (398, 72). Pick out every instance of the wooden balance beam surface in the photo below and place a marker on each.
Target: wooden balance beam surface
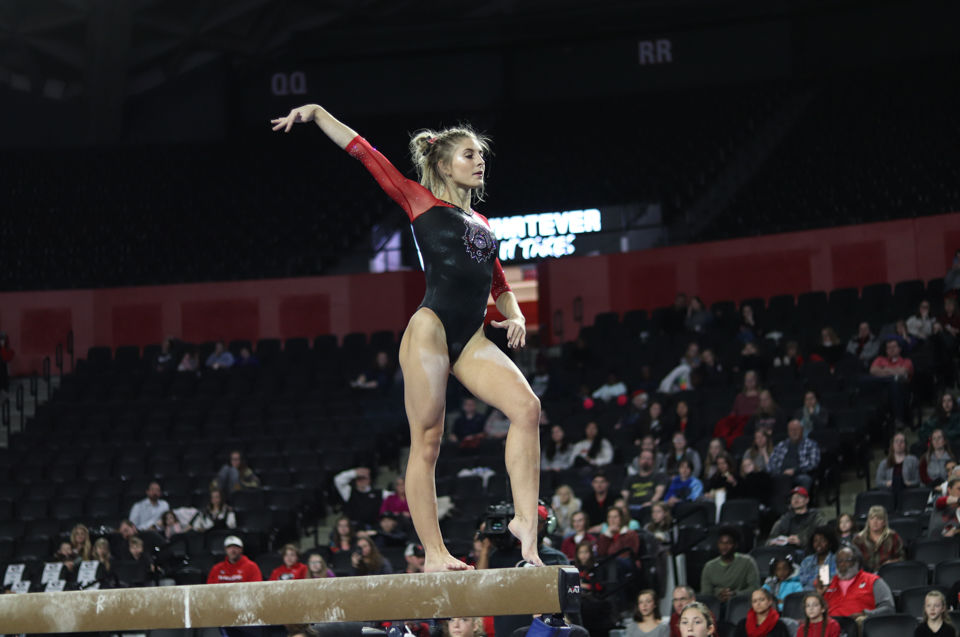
(517, 591)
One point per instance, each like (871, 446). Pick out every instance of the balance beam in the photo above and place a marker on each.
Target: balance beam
(518, 591)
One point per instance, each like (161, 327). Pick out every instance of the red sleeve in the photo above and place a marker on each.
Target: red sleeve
(275, 575)
(411, 196)
(253, 573)
(940, 503)
(301, 571)
(499, 283)
(211, 578)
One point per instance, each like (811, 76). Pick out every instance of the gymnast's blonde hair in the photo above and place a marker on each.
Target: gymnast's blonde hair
(429, 149)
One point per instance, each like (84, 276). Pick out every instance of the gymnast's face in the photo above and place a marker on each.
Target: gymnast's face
(466, 167)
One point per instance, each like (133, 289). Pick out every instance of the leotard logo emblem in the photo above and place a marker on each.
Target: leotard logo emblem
(480, 242)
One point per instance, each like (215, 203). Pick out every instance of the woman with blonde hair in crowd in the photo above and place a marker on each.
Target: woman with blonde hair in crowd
(105, 575)
(877, 542)
(463, 627)
(565, 504)
(936, 620)
(80, 541)
(317, 567)
(696, 620)
(661, 523)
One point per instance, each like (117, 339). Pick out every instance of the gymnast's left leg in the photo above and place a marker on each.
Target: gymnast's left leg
(491, 376)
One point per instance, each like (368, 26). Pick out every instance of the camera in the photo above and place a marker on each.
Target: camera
(495, 525)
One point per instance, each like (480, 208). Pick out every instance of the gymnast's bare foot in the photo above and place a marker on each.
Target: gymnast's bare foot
(444, 562)
(528, 540)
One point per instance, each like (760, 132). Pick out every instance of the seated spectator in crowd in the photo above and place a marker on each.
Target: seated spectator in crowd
(236, 475)
(142, 574)
(557, 453)
(467, 424)
(680, 452)
(147, 512)
(594, 450)
(497, 425)
(660, 524)
(169, 525)
(584, 561)
(236, 567)
(790, 357)
(361, 501)
(634, 417)
(920, 325)
(748, 331)
(647, 443)
(760, 451)
(935, 621)
(751, 358)
(812, 415)
(379, 376)
(908, 342)
(854, 592)
(80, 541)
(68, 557)
(731, 573)
(120, 546)
(864, 346)
(317, 567)
(396, 502)
(698, 316)
(948, 322)
(164, 361)
(247, 358)
(217, 514)
(796, 526)
(628, 521)
(711, 369)
(724, 479)
(106, 577)
(596, 505)
(682, 595)
(796, 458)
(782, 580)
(564, 504)
(944, 521)
(389, 532)
(343, 535)
(816, 618)
(647, 485)
(897, 371)
(899, 470)
(831, 347)
(763, 619)
(646, 617)
(655, 424)
(684, 487)
(877, 543)
(768, 416)
(464, 627)
(714, 449)
(822, 553)
(292, 567)
(686, 423)
(221, 358)
(610, 390)
(933, 462)
(945, 417)
(752, 483)
(188, 362)
(846, 528)
(679, 377)
(747, 401)
(618, 536)
(580, 524)
(698, 621)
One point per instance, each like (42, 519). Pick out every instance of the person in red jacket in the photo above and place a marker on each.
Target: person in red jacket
(292, 567)
(853, 592)
(237, 567)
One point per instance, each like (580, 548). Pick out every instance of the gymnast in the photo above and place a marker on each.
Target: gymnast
(445, 334)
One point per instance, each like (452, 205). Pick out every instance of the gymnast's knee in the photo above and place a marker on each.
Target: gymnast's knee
(527, 413)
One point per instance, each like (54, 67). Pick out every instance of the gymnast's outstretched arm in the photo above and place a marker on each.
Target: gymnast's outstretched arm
(338, 132)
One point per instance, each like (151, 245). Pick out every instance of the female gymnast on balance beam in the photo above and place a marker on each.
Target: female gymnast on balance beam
(445, 334)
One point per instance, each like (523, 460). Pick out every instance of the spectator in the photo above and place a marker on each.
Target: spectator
(634, 419)
(610, 390)
(812, 415)
(379, 376)
(678, 379)
(724, 479)
(106, 577)
(877, 543)
(146, 513)
(817, 621)
(763, 619)
(831, 347)
(236, 567)
(80, 541)
(6, 355)
(944, 417)
(684, 486)
(497, 425)
(596, 505)
(730, 573)
(920, 325)
(681, 452)
(189, 362)
(752, 483)
(388, 533)
(864, 346)
(760, 451)
(698, 317)
(647, 443)
(126, 530)
(682, 595)
(853, 592)
(221, 358)
(846, 528)
(796, 458)
(661, 523)
(897, 372)
(343, 535)
(655, 425)
(317, 567)
(564, 504)
(396, 502)
(361, 501)
(796, 526)
(594, 450)
(951, 280)
(936, 622)
(685, 423)
(169, 525)
(618, 537)
(646, 617)
(711, 369)
(696, 620)
(247, 358)
(464, 627)
(908, 342)
(747, 401)
(822, 553)
(899, 470)
(714, 449)
(675, 319)
(292, 567)
(67, 556)
(749, 331)
(557, 453)
(164, 361)
(647, 485)
(217, 514)
(768, 416)
(580, 524)
(933, 463)
(782, 580)
(751, 357)
(944, 521)
(468, 424)
(235, 476)
(144, 567)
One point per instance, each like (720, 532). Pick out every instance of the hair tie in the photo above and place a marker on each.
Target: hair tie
(432, 140)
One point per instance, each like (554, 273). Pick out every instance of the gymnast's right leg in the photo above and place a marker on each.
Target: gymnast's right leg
(426, 367)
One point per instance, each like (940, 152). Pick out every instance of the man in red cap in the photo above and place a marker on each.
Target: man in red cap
(796, 526)
(237, 567)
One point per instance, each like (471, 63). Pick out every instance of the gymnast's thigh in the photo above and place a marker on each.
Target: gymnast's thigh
(425, 364)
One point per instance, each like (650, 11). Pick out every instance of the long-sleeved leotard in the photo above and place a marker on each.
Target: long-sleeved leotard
(458, 249)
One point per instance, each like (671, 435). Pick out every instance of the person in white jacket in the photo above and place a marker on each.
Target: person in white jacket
(594, 449)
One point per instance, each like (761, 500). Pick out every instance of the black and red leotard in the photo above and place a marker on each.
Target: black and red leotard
(458, 249)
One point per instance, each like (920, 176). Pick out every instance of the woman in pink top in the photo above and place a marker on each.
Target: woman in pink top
(396, 502)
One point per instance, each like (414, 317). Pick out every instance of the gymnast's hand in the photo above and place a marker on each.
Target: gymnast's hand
(516, 331)
(301, 114)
